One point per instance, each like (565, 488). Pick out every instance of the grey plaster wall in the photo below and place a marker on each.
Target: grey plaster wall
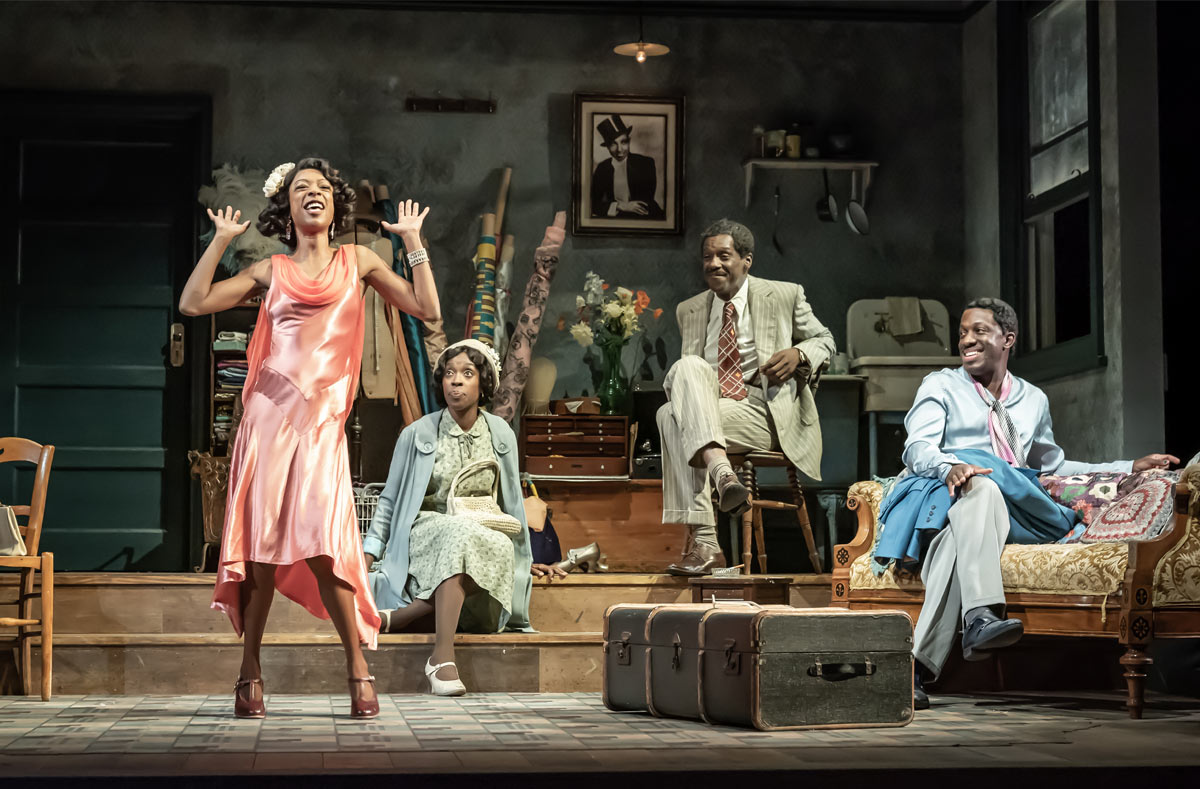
(981, 183)
(287, 82)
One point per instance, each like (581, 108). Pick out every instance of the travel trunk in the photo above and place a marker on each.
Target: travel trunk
(792, 668)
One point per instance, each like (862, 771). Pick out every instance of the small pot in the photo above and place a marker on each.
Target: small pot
(827, 208)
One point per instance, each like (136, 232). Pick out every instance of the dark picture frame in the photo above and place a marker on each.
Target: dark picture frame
(627, 174)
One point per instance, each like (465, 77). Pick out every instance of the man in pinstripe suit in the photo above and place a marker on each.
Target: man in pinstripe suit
(750, 347)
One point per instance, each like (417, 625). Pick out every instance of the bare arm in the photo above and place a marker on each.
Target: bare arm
(202, 296)
(418, 298)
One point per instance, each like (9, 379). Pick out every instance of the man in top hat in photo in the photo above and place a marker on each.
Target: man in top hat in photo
(623, 186)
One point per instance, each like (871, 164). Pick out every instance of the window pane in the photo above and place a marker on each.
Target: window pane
(1058, 299)
(1058, 88)
(1059, 163)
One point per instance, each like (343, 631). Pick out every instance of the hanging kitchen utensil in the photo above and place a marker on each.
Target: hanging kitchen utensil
(827, 210)
(775, 232)
(856, 215)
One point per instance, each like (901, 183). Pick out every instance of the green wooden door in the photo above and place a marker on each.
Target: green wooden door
(100, 233)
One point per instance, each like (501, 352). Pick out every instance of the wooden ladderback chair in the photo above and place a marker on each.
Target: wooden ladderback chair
(28, 626)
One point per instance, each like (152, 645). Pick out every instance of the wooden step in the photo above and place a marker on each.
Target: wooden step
(179, 602)
(169, 663)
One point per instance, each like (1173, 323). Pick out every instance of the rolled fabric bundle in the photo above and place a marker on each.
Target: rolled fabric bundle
(483, 315)
(412, 328)
(515, 372)
(503, 293)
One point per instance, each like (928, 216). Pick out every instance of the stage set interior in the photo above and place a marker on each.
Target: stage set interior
(1034, 151)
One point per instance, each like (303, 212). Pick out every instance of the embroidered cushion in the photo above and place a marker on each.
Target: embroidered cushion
(1138, 477)
(1087, 494)
(1141, 514)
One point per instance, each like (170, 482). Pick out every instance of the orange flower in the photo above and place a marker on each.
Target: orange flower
(642, 302)
(605, 286)
(657, 312)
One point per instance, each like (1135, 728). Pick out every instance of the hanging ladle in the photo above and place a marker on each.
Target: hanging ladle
(827, 206)
(856, 215)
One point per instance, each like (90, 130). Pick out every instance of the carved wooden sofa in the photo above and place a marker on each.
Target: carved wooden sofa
(1133, 592)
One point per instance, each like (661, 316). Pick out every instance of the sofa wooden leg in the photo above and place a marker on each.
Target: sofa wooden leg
(1135, 661)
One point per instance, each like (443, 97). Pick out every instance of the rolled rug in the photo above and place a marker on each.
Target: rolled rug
(414, 339)
(515, 372)
(483, 313)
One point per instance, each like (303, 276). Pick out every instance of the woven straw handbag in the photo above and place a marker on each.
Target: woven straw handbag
(482, 509)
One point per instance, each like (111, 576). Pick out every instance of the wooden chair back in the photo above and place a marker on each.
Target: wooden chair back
(42, 455)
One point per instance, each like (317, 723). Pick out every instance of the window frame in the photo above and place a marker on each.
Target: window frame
(1017, 206)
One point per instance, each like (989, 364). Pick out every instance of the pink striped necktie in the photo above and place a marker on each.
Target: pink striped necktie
(729, 359)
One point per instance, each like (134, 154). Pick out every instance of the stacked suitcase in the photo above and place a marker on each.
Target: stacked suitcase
(768, 667)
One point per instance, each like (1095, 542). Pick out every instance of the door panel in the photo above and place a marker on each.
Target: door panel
(103, 222)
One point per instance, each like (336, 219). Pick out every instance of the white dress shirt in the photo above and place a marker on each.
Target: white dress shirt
(948, 415)
(745, 331)
(620, 184)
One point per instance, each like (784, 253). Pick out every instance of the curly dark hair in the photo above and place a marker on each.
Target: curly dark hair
(1005, 315)
(743, 239)
(487, 376)
(273, 219)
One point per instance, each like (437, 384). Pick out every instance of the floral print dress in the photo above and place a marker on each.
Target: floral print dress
(442, 545)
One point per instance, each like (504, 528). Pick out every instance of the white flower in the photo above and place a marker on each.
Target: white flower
(582, 334)
(612, 309)
(275, 179)
(624, 295)
(580, 303)
(593, 288)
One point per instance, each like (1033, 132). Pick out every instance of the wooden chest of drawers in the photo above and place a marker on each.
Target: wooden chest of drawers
(575, 446)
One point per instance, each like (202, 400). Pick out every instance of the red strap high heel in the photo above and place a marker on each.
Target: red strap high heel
(363, 709)
(249, 708)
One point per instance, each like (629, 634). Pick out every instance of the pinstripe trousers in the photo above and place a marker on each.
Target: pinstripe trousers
(694, 417)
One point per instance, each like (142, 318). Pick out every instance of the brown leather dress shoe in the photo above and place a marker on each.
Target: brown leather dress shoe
(700, 560)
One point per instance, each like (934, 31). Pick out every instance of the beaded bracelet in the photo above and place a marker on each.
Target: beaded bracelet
(418, 256)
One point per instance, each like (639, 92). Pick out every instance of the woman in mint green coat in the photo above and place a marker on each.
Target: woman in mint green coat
(469, 576)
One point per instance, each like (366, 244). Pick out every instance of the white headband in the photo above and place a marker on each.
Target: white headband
(488, 352)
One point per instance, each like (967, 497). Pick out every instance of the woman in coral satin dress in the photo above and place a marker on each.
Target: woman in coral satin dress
(290, 523)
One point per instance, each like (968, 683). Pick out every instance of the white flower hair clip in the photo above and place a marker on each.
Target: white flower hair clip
(275, 179)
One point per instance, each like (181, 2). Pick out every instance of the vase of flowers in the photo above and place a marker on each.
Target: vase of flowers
(609, 321)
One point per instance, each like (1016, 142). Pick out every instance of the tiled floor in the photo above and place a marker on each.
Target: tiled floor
(197, 735)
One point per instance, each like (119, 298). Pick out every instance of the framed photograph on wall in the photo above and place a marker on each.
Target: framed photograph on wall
(628, 166)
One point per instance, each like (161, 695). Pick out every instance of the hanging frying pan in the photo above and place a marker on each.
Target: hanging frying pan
(827, 206)
(856, 215)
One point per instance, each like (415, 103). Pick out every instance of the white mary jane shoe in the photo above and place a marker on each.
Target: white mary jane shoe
(443, 687)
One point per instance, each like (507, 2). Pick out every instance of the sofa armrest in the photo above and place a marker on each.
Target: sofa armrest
(864, 499)
(1168, 563)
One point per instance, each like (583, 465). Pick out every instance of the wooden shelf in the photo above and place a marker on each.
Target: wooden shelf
(859, 168)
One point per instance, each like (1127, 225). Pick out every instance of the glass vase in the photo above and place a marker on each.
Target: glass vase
(614, 388)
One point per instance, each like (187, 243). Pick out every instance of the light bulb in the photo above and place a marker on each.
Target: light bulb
(641, 56)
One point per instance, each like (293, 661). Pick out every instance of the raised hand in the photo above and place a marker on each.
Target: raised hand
(409, 220)
(227, 222)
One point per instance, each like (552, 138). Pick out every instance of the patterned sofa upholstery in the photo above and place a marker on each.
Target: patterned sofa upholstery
(1131, 591)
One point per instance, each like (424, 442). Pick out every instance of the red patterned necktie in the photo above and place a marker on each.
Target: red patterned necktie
(729, 360)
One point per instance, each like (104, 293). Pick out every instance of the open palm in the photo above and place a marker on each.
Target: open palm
(409, 220)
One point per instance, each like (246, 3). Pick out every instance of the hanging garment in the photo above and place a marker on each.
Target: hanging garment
(483, 315)
(516, 363)
(503, 293)
(289, 479)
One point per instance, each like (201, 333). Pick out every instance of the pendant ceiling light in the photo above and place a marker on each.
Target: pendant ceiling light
(641, 49)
